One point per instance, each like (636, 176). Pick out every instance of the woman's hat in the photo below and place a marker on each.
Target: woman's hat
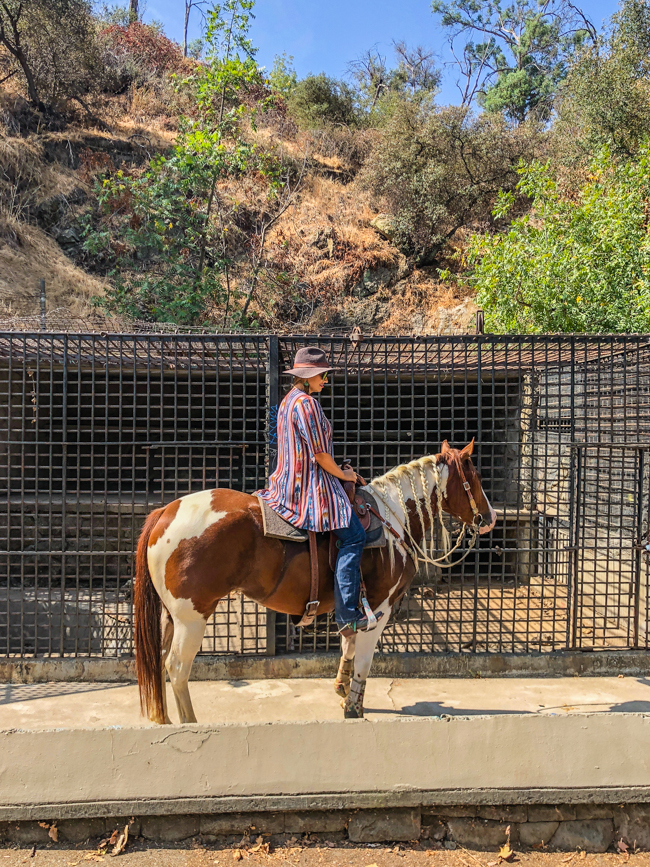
(309, 361)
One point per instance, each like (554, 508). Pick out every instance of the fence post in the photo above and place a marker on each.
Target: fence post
(43, 316)
(272, 401)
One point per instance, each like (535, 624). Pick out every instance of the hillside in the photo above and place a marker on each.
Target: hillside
(341, 270)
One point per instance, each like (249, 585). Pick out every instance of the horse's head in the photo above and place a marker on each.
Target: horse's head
(462, 489)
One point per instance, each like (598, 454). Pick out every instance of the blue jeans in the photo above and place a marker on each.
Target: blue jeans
(347, 578)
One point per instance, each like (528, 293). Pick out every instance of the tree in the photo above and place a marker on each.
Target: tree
(417, 68)
(606, 96)
(166, 231)
(578, 263)
(189, 5)
(52, 44)
(415, 75)
(282, 77)
(319, 99)
(134, 13)
(514, 56)
(437, 172)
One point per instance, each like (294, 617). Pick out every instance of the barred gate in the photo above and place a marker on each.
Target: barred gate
(96, 430)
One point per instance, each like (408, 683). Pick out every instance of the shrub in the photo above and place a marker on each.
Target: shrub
(318, 100)
(52, 45)
(437, 172)
(578, 262)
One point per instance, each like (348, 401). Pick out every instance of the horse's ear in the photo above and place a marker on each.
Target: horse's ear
(444, 448)
(467, 451)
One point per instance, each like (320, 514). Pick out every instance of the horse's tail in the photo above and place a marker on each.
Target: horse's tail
(147, 610)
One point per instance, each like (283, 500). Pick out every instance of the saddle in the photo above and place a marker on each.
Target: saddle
(364, 506)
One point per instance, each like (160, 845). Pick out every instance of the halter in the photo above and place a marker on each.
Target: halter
(419, 552)
(468, 491)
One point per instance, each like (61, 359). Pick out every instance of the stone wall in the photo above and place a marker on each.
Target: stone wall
(565, 827)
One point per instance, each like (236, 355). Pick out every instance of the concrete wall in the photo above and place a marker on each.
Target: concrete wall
(399, 762)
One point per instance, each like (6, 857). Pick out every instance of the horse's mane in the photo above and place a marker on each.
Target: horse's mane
(408, 472)
(396, 474)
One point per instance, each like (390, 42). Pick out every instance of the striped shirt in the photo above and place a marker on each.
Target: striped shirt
(299, 490)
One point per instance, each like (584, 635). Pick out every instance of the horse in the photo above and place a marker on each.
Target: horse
(198, 549)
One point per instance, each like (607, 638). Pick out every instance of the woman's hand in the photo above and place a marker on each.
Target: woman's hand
(327, 462)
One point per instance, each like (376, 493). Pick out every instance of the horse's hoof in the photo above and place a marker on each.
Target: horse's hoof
(352, 713)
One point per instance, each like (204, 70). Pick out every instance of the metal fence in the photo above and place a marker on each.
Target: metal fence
(97, 430)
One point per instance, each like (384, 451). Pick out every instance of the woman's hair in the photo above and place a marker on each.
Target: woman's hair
(299, 383)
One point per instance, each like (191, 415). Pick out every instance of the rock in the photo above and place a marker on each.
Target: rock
(315, 822)
(383, 223)
(80, 830)
(592, 835)
(632, 823)
(537, 833)
(70, 240)
(118, 823)
(517, 813)
(372, 281)
(50, 211)
(220, 824)
(551, 813)
(169, 828)
(28, 833)
(594, 811)
(457, 811)
(478, 833)
(376, 826)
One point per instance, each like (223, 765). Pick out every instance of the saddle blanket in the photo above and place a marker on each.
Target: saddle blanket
(277, 528)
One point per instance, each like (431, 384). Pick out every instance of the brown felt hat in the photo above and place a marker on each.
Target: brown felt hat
(309, 361)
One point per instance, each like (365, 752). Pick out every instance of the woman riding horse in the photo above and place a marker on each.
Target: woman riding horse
(305, 489)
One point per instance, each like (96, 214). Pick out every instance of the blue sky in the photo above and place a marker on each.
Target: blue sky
(324, 37)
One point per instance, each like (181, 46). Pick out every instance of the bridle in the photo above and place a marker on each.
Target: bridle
(468, 490)
(419, 553)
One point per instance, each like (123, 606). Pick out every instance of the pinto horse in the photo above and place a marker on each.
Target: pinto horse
(198, 549)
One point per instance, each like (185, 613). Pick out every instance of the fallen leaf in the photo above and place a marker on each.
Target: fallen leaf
(53, 833)
(505, 852)
(583, 854)
(622, 845)
(569, 857)
(492, 863)
(43, 824)
(33, 852)
(122, 840)
(237, 854)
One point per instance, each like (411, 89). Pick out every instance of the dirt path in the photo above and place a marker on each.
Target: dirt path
(302, 852)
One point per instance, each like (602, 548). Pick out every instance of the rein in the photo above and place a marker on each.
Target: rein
(419, 552)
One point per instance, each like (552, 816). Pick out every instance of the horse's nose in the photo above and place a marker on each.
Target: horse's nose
(489, 520)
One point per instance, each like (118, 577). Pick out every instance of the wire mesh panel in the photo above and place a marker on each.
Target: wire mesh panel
(610, 546)
(97, 430)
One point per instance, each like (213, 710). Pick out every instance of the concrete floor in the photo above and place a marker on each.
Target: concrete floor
(99, 705)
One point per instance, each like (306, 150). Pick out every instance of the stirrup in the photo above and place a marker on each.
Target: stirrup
(350, 629)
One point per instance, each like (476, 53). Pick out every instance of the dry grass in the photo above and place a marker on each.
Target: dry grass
(325, 239)
(28, 255)
(427, 306)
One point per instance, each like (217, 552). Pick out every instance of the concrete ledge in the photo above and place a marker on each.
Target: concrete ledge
(556, 664)
(406, 759)
(334, 803)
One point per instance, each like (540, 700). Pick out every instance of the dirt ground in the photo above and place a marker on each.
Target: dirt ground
(302, 852)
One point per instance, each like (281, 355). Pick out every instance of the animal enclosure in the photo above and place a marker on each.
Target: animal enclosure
(97, 430)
